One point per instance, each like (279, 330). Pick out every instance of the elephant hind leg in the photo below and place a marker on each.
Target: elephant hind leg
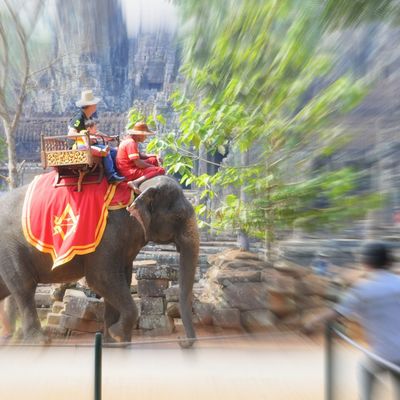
(111, 316)
(4, 292)
(31, 327)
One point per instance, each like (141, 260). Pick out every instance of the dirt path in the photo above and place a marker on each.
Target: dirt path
(252, 368)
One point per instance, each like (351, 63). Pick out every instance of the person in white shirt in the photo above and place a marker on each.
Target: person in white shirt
(375, 302)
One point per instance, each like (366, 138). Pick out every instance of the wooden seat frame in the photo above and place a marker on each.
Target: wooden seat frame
(57, 152)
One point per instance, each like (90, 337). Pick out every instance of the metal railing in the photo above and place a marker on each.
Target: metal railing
(331, 333)
(98, 347)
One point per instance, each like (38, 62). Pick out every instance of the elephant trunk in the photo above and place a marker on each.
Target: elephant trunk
(188, 244)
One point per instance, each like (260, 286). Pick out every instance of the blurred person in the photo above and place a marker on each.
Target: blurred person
(375, 302)
(320, 265)
(5, 323)
(137, 166)
(103, 150)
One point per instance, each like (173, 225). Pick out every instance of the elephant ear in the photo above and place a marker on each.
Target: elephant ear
(141, 210)
(144, 201)
(146, 197)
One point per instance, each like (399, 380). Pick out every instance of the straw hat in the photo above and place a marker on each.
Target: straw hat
(87, 99)
(140, 128)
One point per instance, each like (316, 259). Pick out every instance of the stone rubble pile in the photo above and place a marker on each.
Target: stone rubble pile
(76, 313)
(243, 292)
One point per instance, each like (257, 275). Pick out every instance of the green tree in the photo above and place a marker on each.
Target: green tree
(258, 80)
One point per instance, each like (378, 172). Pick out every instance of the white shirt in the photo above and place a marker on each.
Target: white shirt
(376, 302)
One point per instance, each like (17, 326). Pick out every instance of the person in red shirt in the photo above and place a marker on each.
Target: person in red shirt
(135, 166)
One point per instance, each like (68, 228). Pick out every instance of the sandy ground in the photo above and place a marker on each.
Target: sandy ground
(287, 367)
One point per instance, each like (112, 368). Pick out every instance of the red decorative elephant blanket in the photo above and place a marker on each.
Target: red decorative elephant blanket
(63, 222)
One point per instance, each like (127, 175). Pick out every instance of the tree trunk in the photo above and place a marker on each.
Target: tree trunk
(12, 157)
(242, 237)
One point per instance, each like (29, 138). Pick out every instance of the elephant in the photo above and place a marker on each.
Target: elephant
(161, 214)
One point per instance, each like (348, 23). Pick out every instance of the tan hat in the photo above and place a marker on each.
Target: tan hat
(87, 99)
(140, 128)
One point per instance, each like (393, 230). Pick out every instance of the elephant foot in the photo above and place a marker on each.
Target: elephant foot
(108, 339)
(115, 331)
(37, 337)
(186, 343)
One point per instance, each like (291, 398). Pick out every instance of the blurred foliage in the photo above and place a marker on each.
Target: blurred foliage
(344, 13)
(257, 80)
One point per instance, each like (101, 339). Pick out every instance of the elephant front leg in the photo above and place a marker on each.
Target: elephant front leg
(120, 322)
(121, 330)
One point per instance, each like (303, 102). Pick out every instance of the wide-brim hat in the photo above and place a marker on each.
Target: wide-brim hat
(87, 99)
(140, 128)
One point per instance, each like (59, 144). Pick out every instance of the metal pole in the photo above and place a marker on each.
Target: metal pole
(97, 366)
(329, 361)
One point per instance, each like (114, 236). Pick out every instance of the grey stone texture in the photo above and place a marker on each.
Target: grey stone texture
(78, 324)
(152, 287)
(172, 293)
(85, 308)
(257, 320)
(163, 324)
(152, 305)
(173, 310)
(159, 272)
(246, 296)
(227, 318)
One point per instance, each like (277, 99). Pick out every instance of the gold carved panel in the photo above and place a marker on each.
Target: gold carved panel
(69, 157)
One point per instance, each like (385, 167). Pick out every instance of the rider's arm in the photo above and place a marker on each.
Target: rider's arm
(141, 163)
(72, 131)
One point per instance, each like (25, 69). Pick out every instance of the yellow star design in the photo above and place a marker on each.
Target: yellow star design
(67, 219)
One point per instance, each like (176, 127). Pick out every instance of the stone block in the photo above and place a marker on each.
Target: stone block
(257, 320)
(152, 305)
(203, 312)
(246, 296)
(43, 312)
(227, 318)
(280, 283)
(152, 287)
(173, 309)
(55, 330)
(43, 300)
(85, 308)
(172, 293)
(291, 269)
(53, 319)
(134, 285)
(57, 307)
(79, 324)
(162, 323)
(136, 300)
(226, 277)
(281, 305)
(70, 293)
(143, 263)
(159, 272)
(315, 285)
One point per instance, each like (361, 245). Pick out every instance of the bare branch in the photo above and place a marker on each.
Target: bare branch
(6, 178)
(24, 44)
(21, 166)
(3, 38)
(37, 9)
